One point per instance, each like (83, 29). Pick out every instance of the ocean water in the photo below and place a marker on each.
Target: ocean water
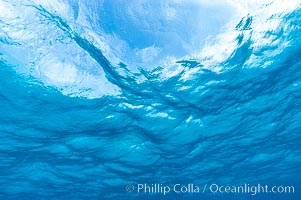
(146, 99)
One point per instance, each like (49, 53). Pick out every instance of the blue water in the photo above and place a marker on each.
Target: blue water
(96, 96)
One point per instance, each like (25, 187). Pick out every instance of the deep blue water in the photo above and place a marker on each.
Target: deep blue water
(98, 97)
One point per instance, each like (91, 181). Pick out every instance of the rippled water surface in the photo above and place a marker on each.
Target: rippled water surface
(97, 97)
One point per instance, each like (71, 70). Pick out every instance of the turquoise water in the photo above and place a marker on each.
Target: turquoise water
(101, 97)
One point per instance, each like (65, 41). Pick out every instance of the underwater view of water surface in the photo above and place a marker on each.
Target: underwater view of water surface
(150, 99)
